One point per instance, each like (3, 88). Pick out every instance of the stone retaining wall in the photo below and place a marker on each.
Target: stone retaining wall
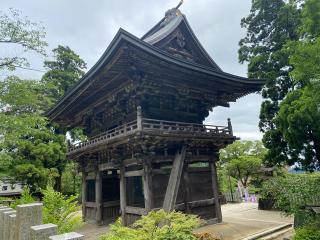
(25, 223)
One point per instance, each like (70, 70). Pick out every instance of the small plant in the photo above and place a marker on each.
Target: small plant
(307, 233)
(157, 225)
(62, 211)
(25, 198)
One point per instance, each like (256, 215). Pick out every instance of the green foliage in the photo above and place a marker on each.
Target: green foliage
(25, 198)
(71, 180)
(299, 113)
(305, 59)
(225, 180)
(61, 210)
(244, 167)
(21, 32)
(243, 159)
(64, 71)
(311, 18)
(30, 149)
(298, 120)
(57, 209)
(270, 25)
(293, 191)
(307, 233)
(282, 45)
(156, 226)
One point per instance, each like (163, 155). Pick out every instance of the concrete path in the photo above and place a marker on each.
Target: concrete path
(239, 221)
(243, 220)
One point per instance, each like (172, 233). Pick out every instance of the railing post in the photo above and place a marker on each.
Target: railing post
(139, 118)
(125, 128)
(230, 126)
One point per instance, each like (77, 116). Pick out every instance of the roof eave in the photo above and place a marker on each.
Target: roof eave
(124, 35)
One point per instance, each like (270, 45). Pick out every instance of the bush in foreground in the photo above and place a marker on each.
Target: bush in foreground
(158, 225)
(25, 198)
(57, 209)
(307, 234)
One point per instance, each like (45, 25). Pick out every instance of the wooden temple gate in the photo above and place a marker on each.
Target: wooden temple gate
(181, 177)
(143, 107)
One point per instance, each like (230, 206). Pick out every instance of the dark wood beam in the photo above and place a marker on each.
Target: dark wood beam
(174, 180)
(98, 198)
(123, 196)
(215, 187)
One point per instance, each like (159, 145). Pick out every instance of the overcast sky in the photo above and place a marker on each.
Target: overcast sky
(87, 27)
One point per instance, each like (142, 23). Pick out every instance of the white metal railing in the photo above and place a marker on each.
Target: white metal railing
(147, 124)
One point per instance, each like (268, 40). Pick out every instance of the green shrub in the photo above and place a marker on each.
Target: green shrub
(25, 198)
(307, 234)
(62, 211)
(225, 181)
(156, 226)
(293, 191)
(71, 180)
(57, 209)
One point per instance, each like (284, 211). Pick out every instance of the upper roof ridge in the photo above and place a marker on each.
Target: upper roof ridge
(171, 14)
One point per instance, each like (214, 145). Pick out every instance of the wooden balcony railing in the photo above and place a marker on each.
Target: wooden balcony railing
(182, 127)
(152, 125)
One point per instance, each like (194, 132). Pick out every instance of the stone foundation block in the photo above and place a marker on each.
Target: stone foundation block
(12, 227)
(6, 224)
(68, 236)
(28, 215)
(43, 232)
(3, 210)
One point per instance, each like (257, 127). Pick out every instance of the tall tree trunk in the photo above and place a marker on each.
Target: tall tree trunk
(317, 149)
(58, 183)
(316, 142)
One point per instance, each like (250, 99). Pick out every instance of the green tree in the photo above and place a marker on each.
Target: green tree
(270, 24)
(20, 32)
(64, 71)
(29, 147)
(311, 18)
(299, 115)
(243, 160)
(298, 121)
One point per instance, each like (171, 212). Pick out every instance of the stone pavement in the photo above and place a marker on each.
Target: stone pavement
(239, 221)
(92, 231)
(243, 220)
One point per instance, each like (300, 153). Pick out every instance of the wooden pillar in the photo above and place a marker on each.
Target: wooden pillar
(147, 186)
(215, 187)
(84, 194)
(139, 118)
(230, 126)
(123, 196)
(186, 188)
(174, 180)
(99, 203)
